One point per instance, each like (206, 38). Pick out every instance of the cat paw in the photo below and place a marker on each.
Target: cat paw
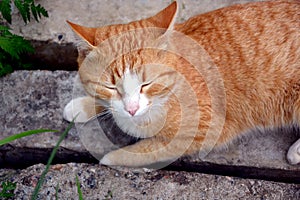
(119, 158)
(114, 158)
(75, 108)
(293, 155)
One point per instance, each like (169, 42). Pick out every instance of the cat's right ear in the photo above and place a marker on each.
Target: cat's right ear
(86, 33)
(166, 18)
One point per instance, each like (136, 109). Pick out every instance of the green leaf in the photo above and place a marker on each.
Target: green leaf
(5, 10)
(15, 45)
(7, 189)
(78, 189)
(4, 28)
(35, 12)
(24, 134)
(42, 10)
(9, 46)
(9, 185)
(56, 191)
(24, 9)
(5, 68)
(29, 1)
(38, 11)
(28, 7)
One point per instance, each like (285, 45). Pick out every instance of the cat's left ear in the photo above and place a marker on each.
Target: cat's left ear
(165, 18)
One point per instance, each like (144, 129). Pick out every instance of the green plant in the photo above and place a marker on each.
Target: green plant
(7, 189)
(56, 191)
(80, 196)
(23, 134)
(13, 46)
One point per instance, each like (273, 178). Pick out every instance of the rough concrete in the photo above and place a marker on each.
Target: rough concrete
(99, 182)
(34, 100)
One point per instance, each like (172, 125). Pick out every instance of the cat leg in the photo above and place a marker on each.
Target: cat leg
(161, 149)
(146, 152)
(84, 107)
(293, 154)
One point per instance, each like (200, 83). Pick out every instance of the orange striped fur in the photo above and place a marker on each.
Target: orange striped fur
(255, 47)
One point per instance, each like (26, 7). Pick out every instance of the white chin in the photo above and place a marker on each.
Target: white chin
(144, 124)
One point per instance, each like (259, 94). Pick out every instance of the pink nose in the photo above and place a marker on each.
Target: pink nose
(132, 108)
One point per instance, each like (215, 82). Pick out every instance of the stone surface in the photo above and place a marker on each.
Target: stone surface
(99, 182)
(35, 100)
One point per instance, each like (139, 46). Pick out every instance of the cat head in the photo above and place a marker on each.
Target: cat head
(124, 67)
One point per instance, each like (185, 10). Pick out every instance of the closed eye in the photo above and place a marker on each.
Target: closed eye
(144, 86)
(113, 89)
(110, 87)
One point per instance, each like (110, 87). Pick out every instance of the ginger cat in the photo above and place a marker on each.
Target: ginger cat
(187, 88)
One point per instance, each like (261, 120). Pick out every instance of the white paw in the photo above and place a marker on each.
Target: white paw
(75, 109)
(293, 155)
(118, 157)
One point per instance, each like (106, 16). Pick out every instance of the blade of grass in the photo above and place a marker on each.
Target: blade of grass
(41, 180)
(56, 191)
(24, 134)
(78, 189)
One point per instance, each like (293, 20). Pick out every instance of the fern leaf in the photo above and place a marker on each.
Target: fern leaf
(24, 9)
(34, 12)
(38, 11)
(15, 45)
(28, 7)
(29, 1)
(5, 10)
(42, 10)
(5, 68)
(3, 28)
(7, 46)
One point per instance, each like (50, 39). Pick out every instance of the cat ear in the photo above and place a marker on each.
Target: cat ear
(165, 18)
(86, 33)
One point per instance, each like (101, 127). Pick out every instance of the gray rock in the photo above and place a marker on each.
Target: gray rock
(99, 182)
(35, 100)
